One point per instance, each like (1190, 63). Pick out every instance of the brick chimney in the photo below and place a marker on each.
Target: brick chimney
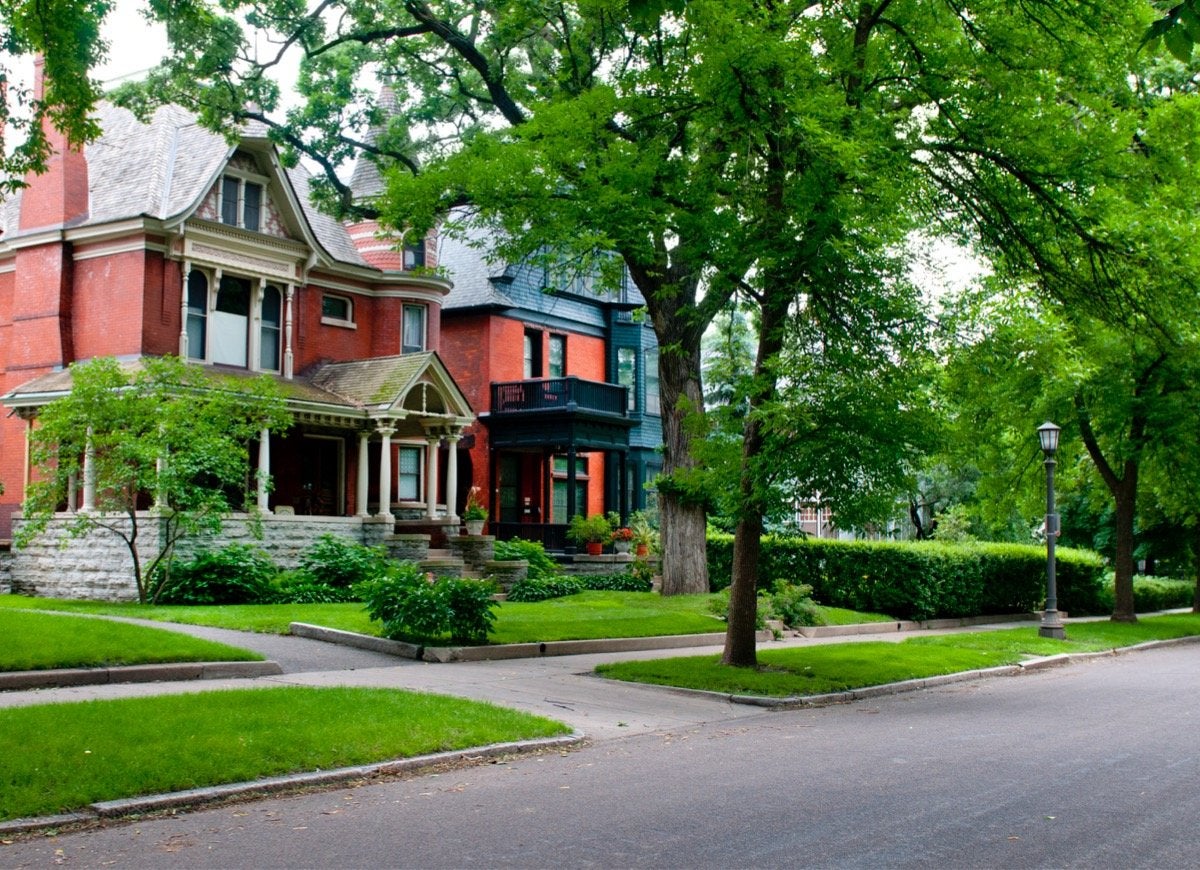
(40, 337)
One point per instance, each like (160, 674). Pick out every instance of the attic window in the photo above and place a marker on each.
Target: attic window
(414, 256)
(241, 203)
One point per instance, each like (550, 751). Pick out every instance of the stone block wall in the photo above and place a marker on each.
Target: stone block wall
(99, 566)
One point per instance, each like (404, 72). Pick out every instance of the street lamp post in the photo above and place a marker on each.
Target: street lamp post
(1052, 625)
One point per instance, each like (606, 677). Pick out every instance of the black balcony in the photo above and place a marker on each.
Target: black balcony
(559, 394)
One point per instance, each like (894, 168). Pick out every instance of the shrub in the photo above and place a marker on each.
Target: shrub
(337, 561)
(297, 587)
(540, 565)
(415, 608)
(619, 581)
(542, 588)
(718, 606)
(792, 602)
(1158, 593)
(235, 574)
(923, 580)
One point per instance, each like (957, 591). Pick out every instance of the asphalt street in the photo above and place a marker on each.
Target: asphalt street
(1091, 765)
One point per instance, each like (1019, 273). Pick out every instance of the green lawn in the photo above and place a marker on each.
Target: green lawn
(60, 757)
(576, 617)
(36, 641)
(814, 670)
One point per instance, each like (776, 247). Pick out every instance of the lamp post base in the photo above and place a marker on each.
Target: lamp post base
(1052, 626)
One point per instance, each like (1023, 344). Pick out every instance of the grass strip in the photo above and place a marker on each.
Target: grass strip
(60, 757)
(36, 641)
(814, 670)
(585, 616)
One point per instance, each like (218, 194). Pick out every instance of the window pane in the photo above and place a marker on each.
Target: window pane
(627, 373)
(653, 405)
(558, 356)
(528, 356)
(270, 335)
(252, 206)
(230, 323)
(409, 484)
(414, 329)
(335, 307)
(229, 201)
(414, 255)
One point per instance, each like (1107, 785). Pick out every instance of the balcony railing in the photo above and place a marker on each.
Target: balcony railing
(570, 393)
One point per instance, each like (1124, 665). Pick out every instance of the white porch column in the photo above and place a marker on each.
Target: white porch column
(160, 465)
(264, 469)
(72, 493)
(385, 469)
(360, 484)
(288, 357)
(183, 311)
(431, 476)
(89, 475)
(452, 478)
(27, 471)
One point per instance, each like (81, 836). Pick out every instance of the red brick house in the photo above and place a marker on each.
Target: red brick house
(161, 238)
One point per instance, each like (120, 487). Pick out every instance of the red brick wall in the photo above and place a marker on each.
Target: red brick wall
(109, 302)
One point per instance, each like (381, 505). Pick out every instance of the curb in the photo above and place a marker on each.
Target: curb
(159, 673)
(192, 797)
(498, 652)
(911, 625)
(796, 702)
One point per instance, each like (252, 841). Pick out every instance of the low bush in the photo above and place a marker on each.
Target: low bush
(540, 565)
(336, 561)
(234, 574)
(543, 588)
(298, 587)
(422, 609)
(793, 603)
(923, 580)
(1151, 594)
(619, 581)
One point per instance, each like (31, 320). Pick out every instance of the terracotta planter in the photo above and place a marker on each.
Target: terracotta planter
(593, 548)
(642, 550)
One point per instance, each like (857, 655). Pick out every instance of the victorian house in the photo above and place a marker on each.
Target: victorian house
(162, 238)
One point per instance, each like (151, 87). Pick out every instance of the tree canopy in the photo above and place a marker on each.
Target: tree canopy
(164, 435)
(66, 35)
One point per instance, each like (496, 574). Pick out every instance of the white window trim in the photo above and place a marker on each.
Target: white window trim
(344, 323)
(420, 447)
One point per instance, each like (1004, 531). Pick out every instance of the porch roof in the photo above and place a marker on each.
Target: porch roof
(411, 387)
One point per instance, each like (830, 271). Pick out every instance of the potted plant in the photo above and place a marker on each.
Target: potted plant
(645, 536)
(591, 532)
(622, 539)
(474, 514)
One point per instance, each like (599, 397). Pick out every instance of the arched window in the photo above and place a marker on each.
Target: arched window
(231, 322)
(197, 314)
(272, 328)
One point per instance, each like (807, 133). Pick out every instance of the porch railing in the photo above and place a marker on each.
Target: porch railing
(544, 394)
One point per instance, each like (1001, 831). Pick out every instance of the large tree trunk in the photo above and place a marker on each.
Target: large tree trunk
(1125, 497)
(1196, 563)
(684, 523)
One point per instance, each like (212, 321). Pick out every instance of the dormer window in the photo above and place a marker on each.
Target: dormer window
(241, 203)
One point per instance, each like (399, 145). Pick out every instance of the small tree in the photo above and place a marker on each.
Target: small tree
(161, 434)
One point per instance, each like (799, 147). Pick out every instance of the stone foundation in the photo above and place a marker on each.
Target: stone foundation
(505, 574)
(407, 548)
(99, 566)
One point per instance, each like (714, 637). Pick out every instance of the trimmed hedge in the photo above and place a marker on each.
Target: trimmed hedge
(926, 580)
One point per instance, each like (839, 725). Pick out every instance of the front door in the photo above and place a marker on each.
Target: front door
(321, 476)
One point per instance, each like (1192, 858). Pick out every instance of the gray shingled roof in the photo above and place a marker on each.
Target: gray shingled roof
(161, 170)
(473, 272)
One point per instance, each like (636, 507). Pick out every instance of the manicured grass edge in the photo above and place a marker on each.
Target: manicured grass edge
(827, 699)
(283, 784)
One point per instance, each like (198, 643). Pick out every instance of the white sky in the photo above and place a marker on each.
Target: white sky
(134, 45)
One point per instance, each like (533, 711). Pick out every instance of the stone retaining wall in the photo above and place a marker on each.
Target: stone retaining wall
(99, 566)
